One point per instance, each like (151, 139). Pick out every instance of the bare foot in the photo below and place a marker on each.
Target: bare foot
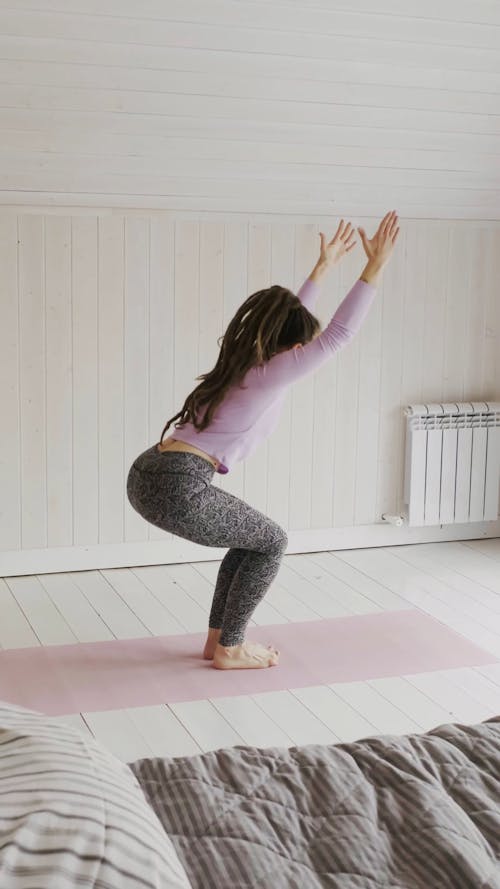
(246, 656)
(211, 644)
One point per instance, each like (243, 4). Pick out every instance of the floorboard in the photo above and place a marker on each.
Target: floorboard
(457, 583)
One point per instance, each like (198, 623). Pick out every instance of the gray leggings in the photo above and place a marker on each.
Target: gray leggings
(173, 490)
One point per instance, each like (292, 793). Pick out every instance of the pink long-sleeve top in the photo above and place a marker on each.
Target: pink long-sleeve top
(249, 415)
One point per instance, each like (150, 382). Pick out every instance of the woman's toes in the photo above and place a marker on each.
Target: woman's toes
(245, 656)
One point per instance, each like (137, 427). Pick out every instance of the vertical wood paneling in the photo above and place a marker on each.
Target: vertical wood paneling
(85, 380)
(33, 488)
(346, 410)
(258, 277)
(495, 267)
(187, 259)
(162, 325)
(475, 315)
(10, 400)
(459, 272)
(413, 314)
(491, 341)
(235, 292)
(150, 297)
(278, 490)
(413, 267)
(211, 294)
(136, 357)
(59, 407)
(391, 293)
(368, 416)
(433, 295)
(492, 356)
(325, 382)
(111, 384)
(161, 336)
(306, 253)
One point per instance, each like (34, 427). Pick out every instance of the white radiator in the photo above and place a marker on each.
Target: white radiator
(452, 463)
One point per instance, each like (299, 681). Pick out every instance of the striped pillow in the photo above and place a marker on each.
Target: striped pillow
(72, 815)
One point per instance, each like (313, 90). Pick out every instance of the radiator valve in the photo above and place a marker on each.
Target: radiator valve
(393, 519)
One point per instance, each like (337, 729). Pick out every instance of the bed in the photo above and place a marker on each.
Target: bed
(412, 812)
(419, 811)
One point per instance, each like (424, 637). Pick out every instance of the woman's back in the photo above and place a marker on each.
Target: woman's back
(250, 410)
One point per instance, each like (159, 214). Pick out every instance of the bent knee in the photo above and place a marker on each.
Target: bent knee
(282, 540)
(275, 540)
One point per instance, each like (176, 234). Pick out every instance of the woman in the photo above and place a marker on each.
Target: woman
(223, 419)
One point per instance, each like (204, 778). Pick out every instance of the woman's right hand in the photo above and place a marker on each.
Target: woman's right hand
(379, 248)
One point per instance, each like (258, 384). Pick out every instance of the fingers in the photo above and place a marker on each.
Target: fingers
(388, 229)
(392, 229)
(343, 232)
(348, 241)
(347, 231)
(388, 222)
(382, 223)
(339, 231)
(362, 235)
(394, 225)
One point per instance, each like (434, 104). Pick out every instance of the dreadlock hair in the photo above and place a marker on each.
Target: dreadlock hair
(268, 321)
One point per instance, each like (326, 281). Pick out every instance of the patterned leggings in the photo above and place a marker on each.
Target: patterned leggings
(173, 491)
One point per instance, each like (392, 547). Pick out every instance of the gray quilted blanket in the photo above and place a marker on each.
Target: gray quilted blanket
(412, 812)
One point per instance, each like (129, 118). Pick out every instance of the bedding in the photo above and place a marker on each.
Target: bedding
(411, 812)
(72, 816)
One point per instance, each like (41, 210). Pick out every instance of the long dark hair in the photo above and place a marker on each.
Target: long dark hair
(268, 321)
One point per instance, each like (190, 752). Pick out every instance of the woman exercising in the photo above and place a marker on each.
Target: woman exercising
(272, 341)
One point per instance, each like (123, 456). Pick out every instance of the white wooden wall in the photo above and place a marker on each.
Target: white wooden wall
(160, 160)
(253, 106)
(108, 319)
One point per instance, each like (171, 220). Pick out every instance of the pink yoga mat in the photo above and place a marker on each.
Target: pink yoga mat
(63, 679)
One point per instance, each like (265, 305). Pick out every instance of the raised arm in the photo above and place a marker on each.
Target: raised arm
(331, 253)
(287, 367)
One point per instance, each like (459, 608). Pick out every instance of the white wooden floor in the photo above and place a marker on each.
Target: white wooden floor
(456, 583)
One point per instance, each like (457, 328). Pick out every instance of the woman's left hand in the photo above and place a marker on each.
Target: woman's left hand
(332, 252)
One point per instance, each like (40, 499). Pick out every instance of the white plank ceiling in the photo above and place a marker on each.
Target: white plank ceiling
(247, 106)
